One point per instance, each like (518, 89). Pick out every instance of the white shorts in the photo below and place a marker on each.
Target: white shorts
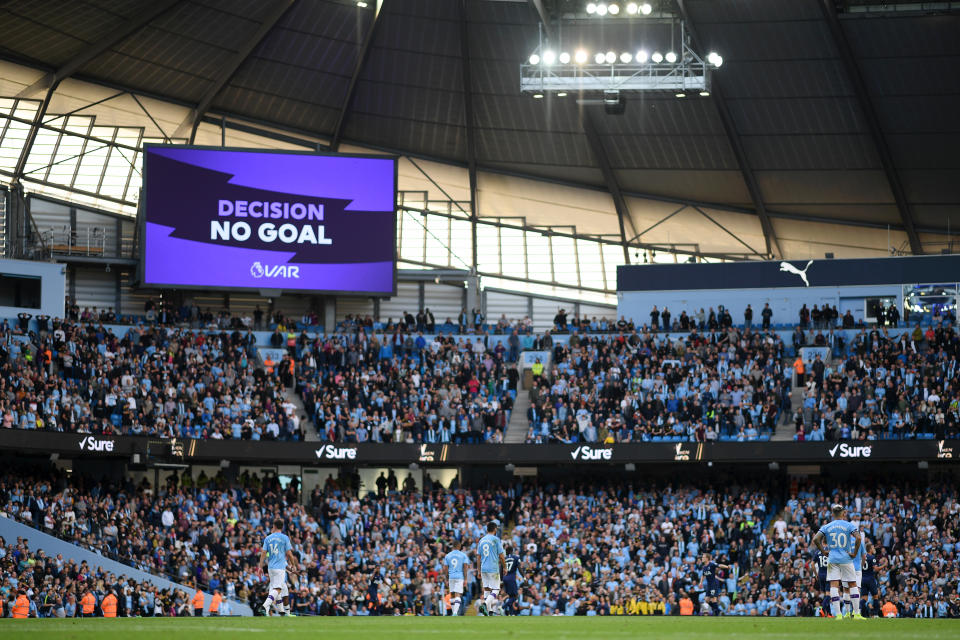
(843, 572)
(490, 580)
(278, 580)
(456, 585)
(859, 577)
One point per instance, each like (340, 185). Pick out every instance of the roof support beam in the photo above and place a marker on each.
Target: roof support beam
(50, 80)
(619, 202)
(658, 223)
(357, 70)
(728, 232)
(873, 122)
(471, 133)
(739, 151)
(544, 17)
(192, 121)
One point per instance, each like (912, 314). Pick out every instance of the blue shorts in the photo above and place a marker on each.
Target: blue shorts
(510, 586)
(822, 583)
(713, 589)
(868, 586)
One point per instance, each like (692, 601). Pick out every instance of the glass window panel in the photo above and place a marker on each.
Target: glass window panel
(91, 167)
(564, 260)
(612, 256)
(79, 124)
(411, 241)
(513, 253)
(488, 249)
(115, 178)
(413, 199)
(26, 109)
(41, 153)
(538, 257)
(65, 164)
(438, 228)
(591, 266)
(461, 239)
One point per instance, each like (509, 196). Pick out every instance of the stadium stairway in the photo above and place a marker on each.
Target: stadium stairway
(785, 429)
(309, 428)
(12, 530)
(518, 425)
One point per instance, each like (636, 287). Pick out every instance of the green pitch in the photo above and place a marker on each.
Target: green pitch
(408, 628)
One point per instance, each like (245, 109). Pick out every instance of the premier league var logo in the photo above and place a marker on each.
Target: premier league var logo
(256, 270)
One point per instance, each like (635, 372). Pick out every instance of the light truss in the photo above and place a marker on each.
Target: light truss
(690, 73)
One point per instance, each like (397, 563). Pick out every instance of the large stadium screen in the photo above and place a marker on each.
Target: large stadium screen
(248, 219)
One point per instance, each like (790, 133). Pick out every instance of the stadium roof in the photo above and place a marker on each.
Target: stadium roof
(795, 128)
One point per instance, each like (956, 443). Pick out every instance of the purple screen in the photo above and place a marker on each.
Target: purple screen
(268, 220)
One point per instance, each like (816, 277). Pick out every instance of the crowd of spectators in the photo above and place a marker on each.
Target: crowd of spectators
(626, 548)
(903, 387)
(35, 585)
(711, 381)
(401, 388)
(640, 387)
(159, 381)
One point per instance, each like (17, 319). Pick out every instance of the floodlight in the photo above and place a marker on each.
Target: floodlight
(534, 59)
(657, 57)
(671, 57)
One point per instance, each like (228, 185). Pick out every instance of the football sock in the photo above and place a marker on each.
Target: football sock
(847, 607)
(455, 606)
(268, 602)
(715, 608)
(490, 601)
(835, 602)
(855, 600)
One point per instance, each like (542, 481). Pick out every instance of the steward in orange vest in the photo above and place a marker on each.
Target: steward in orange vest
(215, 603)
(21, 608)
(109, 606)
(798, 368)
(198, 604)
(87, 604)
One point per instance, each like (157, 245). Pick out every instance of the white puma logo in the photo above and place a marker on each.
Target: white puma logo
(789, 268)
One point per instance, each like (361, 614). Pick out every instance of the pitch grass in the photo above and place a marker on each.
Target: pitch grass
(474, 628)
